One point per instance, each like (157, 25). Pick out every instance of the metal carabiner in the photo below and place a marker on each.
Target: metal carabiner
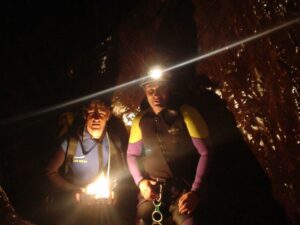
(157, 216)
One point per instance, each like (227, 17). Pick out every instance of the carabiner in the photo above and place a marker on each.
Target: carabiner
(157, 216)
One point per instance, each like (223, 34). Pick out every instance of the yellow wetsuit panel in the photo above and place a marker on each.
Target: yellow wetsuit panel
(135, 131)
(194, 121)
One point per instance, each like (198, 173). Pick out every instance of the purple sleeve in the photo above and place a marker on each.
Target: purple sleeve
(201, 146)
(134, 151)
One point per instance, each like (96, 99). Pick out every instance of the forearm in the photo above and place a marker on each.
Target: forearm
(53, 175)
(201, 146)
(134, 151)
(60, 183)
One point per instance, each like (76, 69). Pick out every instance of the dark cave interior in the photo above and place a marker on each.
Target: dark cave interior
(53, 52)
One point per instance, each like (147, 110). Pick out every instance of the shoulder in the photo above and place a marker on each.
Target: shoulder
(140, 117)
(64, 144)
(188, 111)
(187, 108)
(194, 121)
(135, 131)
(117, 131)
(71, 140)
(137, 119)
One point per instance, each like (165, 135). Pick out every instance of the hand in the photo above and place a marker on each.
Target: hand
(78, 194)
(188, 202)
(147, 189)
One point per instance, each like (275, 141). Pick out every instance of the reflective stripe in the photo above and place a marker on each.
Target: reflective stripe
(135, 131)
(194, 121)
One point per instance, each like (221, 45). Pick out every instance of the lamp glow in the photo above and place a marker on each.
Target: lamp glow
(155, 73)
(99, 188)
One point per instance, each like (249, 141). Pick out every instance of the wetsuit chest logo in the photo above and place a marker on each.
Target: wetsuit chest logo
(79, 159)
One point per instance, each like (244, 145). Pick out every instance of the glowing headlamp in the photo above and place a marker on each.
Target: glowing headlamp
(155, 72)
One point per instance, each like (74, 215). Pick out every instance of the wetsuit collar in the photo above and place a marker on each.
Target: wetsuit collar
(86, 135)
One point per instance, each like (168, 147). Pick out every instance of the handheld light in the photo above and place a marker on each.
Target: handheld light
(99, 188)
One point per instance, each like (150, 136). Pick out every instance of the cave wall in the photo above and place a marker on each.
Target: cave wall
(259, 82)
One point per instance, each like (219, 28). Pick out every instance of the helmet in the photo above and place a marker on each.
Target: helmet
(148, 80)
(157, 75)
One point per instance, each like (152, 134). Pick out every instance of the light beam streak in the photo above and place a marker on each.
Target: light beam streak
(68, 103)
(127, 84)
(233, 45)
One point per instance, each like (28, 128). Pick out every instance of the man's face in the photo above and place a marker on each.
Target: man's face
(157, 95)
(97, 114)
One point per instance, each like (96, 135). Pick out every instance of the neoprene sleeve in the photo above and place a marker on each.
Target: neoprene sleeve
(202, 163)
(133, 152)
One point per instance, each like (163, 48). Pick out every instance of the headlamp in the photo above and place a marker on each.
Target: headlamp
(155, 72)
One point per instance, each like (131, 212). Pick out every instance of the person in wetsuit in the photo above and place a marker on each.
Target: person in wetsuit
(167, 156)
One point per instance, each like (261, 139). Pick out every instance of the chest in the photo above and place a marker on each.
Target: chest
(90, 151)
(168, 126)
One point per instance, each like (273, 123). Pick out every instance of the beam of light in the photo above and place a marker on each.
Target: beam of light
(198, 58)
(233, 45)
(68, 103)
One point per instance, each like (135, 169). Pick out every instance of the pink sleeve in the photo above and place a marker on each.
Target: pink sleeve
(134, 151)
(201, 146)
